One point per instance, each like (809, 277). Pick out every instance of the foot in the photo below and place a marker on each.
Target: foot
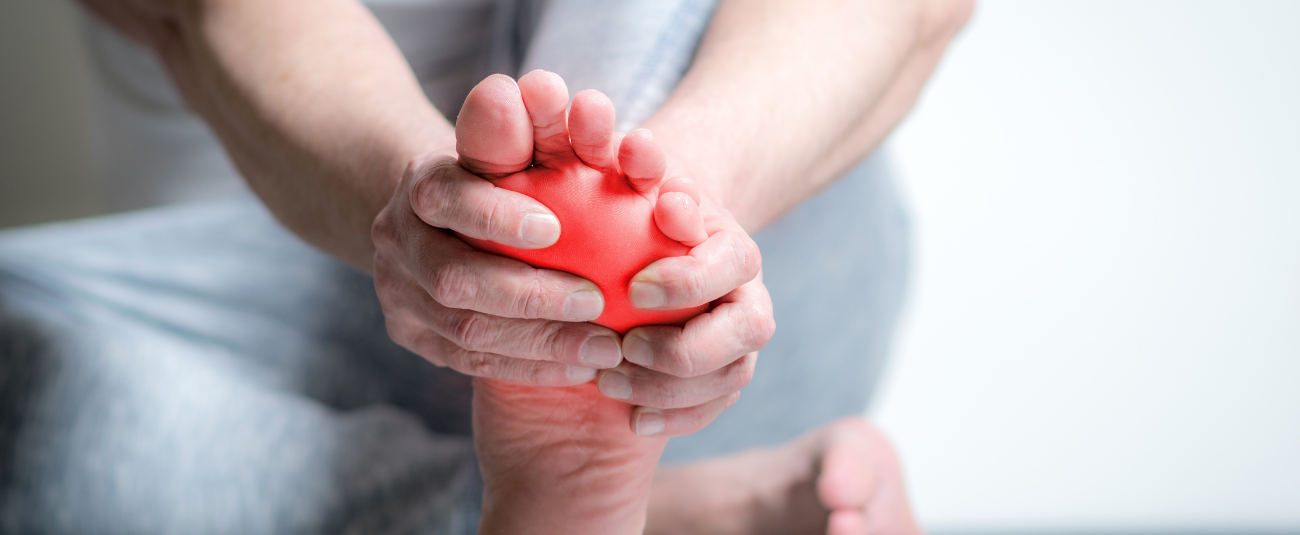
(841, 479)
(557, 460)
(506, 127)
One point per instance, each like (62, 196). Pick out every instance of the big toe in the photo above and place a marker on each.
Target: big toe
(846, 477)
(547, 99)
(494, 135)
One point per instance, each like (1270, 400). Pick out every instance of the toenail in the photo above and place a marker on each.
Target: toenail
(637, 351)
(649, 423)
(601, 351)
(578, 374)
(583, 305)
(615, 385)
(541, 230)
(647, 295)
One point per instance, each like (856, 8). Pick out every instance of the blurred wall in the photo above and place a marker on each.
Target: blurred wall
(1104, 332)
(44, 167)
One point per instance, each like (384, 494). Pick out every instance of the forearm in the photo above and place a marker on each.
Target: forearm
(312, 100)
(785, 96)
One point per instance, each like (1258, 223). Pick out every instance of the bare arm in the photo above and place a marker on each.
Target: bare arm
(785, 96)
(312, 100)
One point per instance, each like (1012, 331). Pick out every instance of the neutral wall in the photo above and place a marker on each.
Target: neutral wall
(44, 168)
(1105, 327)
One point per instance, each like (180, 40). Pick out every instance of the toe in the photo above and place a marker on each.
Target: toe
(847, 522)
(591, 129)
(846, 480)
(494, 135)
(678, 217)
(677, 211)
(642, 160)
(547, 99)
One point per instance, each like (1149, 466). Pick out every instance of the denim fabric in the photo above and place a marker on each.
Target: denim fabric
(198, 369)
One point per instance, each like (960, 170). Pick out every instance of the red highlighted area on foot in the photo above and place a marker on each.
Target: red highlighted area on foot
(607, 235)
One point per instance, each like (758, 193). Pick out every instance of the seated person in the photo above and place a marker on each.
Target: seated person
(197, 369)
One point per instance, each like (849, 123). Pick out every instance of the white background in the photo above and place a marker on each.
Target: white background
(1104, 330)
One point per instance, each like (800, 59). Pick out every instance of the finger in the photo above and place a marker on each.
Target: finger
(740, 323)
(409, 312)
(726, 260)
(639, 386)
(494, 136)
(678, 217)
(446, 196)
(648, 421)
(643, 160)
(547, 100)
(479, 364)
(577, 344)
(458, 276)
(591, 129)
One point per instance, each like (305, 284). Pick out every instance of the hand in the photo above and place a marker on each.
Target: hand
(684, 377)
(477, 313)
(691, 373)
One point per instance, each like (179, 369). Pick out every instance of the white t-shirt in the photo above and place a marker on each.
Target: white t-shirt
(149, 149)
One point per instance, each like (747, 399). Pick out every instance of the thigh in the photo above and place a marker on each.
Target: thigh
(196, 369)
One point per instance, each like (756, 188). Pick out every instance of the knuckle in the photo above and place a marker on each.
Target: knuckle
(383, 231)
(687, 363)
(739, 374)
(433, 195)
(747, 259)
(472, 331)
(498, 220)
(757, 328)
(532, 300)
(548, 341)
(453, 285)
(671, 393)
(751, 258)
(477, 365)
(398, 332)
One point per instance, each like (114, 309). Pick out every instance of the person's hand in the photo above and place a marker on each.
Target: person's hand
(684, 377)
(477, 313)
(436, 289)
(680, 377)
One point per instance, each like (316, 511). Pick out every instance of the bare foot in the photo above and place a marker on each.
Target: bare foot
(557, 460)
(841, 479)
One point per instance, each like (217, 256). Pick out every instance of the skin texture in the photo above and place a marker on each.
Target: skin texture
(610, 231)
(559, 460)
(841, 479)
(324, 119)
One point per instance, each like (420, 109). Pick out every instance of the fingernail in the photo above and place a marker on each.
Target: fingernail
(578, 374)
(541, 230)
(637, 351)
(601, 351)
(649, 423)
(583, 305)
(615, 385)
(647, 295)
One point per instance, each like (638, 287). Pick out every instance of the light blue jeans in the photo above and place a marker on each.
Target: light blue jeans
(197, 369)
